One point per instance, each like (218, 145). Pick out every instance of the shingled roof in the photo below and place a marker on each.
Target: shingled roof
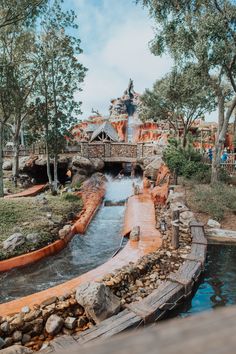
(108, 129)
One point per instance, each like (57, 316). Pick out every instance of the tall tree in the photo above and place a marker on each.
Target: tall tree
(179, 98)
(60, 77)
(203, 32)
(14, 11)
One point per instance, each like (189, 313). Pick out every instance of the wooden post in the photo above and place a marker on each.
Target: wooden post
(175, 229)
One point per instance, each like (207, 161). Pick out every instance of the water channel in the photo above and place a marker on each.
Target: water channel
(217, 286)
(84, 252)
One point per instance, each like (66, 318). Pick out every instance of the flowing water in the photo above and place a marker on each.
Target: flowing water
(84, 252)
(217, 287)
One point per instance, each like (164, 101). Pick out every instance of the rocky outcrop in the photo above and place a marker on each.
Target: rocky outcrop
(98, 301)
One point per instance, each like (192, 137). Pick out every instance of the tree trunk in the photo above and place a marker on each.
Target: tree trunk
(1, 160)
(16, 149)
(55, 166)
(48, 166)
(223, 122)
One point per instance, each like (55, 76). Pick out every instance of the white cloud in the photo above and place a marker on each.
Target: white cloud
(115, 35)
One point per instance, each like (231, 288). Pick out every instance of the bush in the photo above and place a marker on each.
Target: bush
(214, 200)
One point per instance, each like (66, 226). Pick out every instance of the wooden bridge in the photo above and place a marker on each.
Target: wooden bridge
(108, 151)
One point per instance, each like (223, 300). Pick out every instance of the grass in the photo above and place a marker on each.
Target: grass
(28, 215)
(214, 200)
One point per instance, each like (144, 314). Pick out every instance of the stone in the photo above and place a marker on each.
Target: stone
(14, 241)
(214, 224)
(2, 342)
(5, 327)
(49, 301)
(186, 217)
(64, 231)
(70, 322)
(32, 315)
(139, 282)
(25, 338)
(98, 164)
(54, 324)
(17, 322)
(152, 168)
(25, 309)
(135, 234)
(7, 165)
(83, 163)
(16, 349)
(98, 301)
(17, 336)
(8, 341)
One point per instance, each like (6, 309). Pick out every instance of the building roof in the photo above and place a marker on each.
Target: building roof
(91, 128)
(108, 129)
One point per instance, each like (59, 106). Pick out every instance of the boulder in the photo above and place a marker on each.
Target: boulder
(7, 165)
(152, 168)
(98, 301)
(41, 161)
(214, 224)
(54, 324)
(16, 349)
(98, 164)
(83, 163)
(14, 241)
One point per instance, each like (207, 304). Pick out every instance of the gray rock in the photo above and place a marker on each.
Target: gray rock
(83, 163)
(17, 336)
(26, 338)
(14, 241)
(98, 300)
(7, 165)
(70, 322)
(151, 170)
(98, 164)
(25, 309)
(135, 233)
(186, 217)
(16, 349)
(33, 238)
(175, 197)
(214, 224)
(2, 342)
(54, 324)
(5, 327)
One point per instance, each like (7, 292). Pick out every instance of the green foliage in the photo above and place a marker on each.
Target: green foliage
(70, 197)
(179, 98)
(183, 161)
(214, 200)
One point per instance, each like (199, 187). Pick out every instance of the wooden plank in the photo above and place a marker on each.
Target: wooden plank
(221, 236)
(187, 274)
(197, 232)
(62, 342)
(211, 332)
(198, 253)
(116, 324)
(159, 301)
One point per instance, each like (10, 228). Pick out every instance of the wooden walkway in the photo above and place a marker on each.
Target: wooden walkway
(29, 192)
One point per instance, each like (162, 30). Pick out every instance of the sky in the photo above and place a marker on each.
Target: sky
(115, 36)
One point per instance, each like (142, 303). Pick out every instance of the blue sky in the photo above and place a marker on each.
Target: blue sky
(115, 36)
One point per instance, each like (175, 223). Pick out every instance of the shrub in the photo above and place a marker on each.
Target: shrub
(70, 197)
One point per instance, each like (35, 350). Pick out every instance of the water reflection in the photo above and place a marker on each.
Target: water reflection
(217, 287)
